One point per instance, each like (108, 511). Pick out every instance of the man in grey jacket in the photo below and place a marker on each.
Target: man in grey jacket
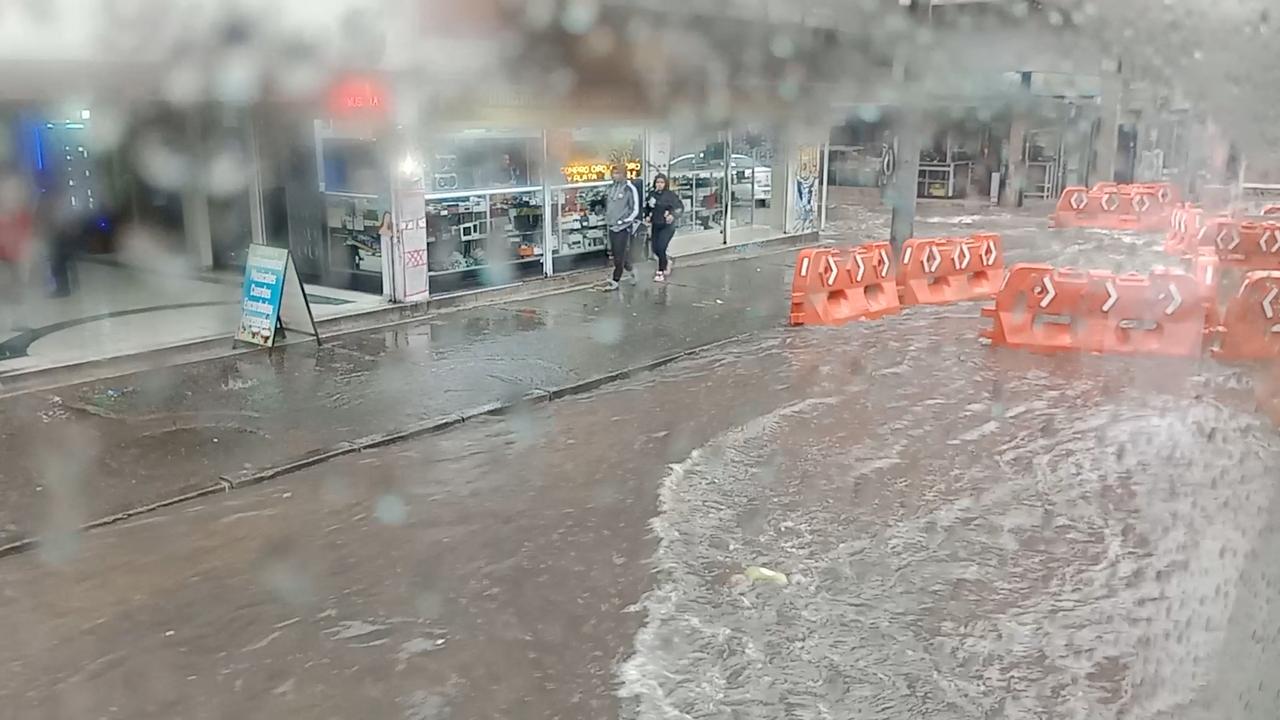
(622, 215)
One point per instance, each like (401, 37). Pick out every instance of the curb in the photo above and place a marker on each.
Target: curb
(318, 456)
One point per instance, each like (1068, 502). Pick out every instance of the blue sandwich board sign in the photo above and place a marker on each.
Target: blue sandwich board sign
(272, 298)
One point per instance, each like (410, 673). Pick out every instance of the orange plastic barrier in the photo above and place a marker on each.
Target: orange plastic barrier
(1244, 244)
(944, 270)
(1043, 308)
(1271, 210)
(1205, 269)
(1185, 223)
(1251, 325)
(1110, 206)
(831, 286)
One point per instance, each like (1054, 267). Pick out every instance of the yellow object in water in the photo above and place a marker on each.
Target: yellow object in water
(763, 574)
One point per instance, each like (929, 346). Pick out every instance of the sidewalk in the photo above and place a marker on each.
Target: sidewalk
(83, 453)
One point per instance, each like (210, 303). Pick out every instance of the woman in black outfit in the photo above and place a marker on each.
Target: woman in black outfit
(662, 209)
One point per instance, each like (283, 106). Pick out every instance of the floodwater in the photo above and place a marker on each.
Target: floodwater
(966, 532)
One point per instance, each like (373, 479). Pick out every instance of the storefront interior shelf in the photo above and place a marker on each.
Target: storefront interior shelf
(447, 194)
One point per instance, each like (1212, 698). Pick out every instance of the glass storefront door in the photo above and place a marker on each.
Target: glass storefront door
(751, 177)
(698, 175)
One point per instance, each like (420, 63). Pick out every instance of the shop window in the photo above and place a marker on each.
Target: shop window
(357, 228)
(357, 209)
(585, 159)
(484, 205)
(751, 178)
(699, 166)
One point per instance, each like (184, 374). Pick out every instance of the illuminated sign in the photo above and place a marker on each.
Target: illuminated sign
(597, 171)
(356, 95)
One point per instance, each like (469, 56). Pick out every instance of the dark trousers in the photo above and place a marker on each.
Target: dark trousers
(620, 243)
(61, 256)
(662, 235)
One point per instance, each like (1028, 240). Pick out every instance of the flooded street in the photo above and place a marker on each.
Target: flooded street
(965, 532)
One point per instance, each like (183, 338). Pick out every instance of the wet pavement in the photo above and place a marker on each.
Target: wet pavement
(966, 532)
(86, 452)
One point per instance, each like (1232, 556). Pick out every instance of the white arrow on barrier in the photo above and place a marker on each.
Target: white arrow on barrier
(884, 263)
(960, 251)
(1228, 233)
(1275, 236)
(931, 260)
(1177, 300)
(862, 267)
(835, 270)
(804, 267)
(1049, 292)
(1078, 200)
(988, 252)
(1112, 297)
(1267, 308)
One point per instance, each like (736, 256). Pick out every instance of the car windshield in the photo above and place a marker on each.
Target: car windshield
(608, 360)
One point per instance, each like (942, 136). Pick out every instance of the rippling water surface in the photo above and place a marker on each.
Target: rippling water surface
(968, 532)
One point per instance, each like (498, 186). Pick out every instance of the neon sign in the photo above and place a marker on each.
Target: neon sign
(357, 95)
(597, 171)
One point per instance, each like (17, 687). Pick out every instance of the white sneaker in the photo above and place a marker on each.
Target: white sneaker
(659, 277)
(610, 285)
(671, 265)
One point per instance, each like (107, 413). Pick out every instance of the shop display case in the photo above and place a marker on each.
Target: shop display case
(469, 231)
(352, 222)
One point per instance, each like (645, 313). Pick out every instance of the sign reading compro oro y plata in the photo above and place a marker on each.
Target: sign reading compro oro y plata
(272, 298)
(598, 171)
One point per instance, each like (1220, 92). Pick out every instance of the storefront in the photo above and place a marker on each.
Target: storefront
(462, 209)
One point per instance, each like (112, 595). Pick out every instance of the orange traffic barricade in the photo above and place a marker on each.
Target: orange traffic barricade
(1244, 244)
(1271, 210)
(1205, 268)
(1110, 206)
(944, 270)
(1250, 327)
(831, 286)
(1045, 308)
(1185, 223)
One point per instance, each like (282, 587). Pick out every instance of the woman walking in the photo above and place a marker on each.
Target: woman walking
(662, 209)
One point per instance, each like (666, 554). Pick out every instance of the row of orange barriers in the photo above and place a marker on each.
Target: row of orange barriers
(1167, 312)
(1045, 308)
(1110, 206)
(1240, 243)
(831, 286)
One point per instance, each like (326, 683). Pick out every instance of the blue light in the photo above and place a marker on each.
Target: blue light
(39, 147)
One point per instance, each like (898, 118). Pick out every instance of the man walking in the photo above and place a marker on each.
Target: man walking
(622, 215)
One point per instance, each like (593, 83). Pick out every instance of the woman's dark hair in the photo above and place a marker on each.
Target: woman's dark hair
(665, 180)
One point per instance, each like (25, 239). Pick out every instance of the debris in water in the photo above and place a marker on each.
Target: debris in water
(763, 574)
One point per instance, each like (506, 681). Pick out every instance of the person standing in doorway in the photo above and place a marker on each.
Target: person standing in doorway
(622, 215)
(662, 208)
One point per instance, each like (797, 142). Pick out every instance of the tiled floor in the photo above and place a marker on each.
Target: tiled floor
(118, 310)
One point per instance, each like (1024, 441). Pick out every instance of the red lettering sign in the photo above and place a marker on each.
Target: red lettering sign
(355, 96)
